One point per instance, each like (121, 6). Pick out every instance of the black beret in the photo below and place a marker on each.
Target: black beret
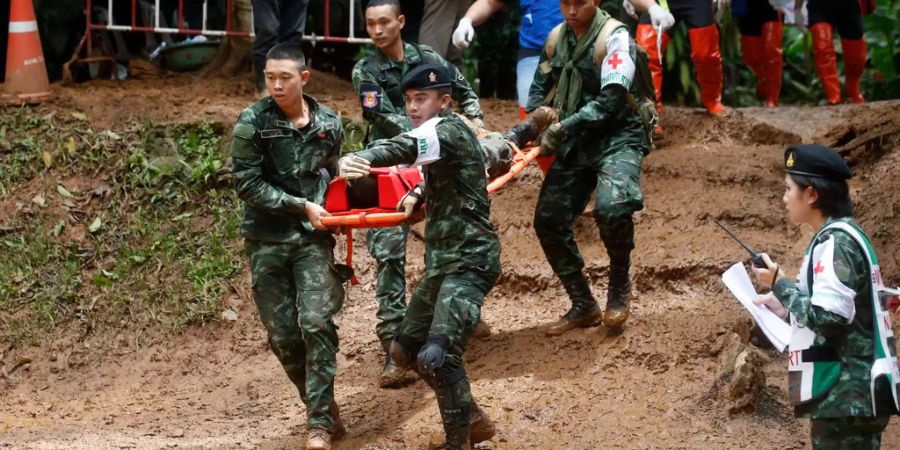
(426, 76)
(815, 160)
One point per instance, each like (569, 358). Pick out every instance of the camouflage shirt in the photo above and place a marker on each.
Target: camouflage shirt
(458, 234)
(277, 168)
(377, 81)
(851, 337)
(602, 122)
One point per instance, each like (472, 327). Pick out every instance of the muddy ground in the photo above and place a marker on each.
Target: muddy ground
(650, 387)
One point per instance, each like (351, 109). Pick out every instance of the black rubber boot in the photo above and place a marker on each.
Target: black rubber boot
(392, 375)
(618, 295)
(584, 311)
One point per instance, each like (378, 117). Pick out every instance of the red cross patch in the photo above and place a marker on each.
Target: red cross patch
(614, 61)
(819, 268)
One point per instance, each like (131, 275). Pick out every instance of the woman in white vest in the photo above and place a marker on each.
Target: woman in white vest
(842, 370)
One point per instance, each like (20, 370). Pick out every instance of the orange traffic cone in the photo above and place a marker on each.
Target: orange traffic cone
(26, 72)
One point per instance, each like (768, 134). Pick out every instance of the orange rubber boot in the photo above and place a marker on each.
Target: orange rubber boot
(854, 65)
(751, 55)
(708, 61)
(772, 33)
(646, 37)
(826, 61)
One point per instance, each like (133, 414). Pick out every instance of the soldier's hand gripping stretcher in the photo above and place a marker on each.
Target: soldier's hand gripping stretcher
(355, 198)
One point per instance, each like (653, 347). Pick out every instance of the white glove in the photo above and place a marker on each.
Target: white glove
(629, 9)
(659, 17)
(464, 33)
(352, 167)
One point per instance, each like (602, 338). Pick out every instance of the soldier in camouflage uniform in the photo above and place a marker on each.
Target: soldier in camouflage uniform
(282, 150)
(377, 81)
(462, 251)
(842, 368)
(600, 144)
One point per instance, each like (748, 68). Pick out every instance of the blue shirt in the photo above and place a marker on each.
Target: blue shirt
(538, 18)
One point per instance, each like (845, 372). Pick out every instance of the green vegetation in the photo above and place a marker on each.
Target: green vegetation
(133, 228)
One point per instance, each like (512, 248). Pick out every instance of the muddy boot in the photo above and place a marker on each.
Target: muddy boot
(482, 330)
(318, 439)
(339, 429)
(529, 129)
(392, 375)
(618, 295)
(584, 311)
(482, 427)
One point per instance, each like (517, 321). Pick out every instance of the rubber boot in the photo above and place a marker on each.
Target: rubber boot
(618, 294)
(482, 330)
(854, 65)
(708, 62)
(318, 439)
(772, 33)
(826, 61)
(584, 311)
(646, 37)
(751, 55)
(337, 424)
(481, 429)
(392, 375)
(455, 403)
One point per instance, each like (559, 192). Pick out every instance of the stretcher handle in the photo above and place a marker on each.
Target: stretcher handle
(518, 166)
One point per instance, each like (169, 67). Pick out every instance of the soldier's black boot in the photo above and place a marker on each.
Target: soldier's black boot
(584, 311)
(618, 295)
(392, 375)
(455, 403)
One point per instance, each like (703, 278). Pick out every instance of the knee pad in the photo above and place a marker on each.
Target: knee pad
(402, 351)
(431, 357)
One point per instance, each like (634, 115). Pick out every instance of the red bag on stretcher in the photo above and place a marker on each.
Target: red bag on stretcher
(371, 201)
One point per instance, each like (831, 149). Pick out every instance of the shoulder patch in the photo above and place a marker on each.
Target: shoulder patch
(370, 95)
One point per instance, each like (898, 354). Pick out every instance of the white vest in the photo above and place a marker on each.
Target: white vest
(814, 369)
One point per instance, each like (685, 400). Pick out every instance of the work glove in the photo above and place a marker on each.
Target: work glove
(629, 9)
(352, 167)
(552, 139)
(464, 33)
(660, 18)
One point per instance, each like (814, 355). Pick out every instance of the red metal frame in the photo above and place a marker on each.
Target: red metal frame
(180, 29)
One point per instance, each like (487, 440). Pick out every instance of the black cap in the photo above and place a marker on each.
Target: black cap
(426, 76)
(815, 160)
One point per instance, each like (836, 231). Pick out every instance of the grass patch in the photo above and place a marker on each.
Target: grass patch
(149, 240)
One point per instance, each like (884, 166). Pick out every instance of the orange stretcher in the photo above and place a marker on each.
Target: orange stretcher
(371, 202)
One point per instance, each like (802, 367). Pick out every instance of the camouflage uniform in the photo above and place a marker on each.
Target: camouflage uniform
(844, 417)
(379, 77)
(603, 151)
(277, 168)
(462, 261)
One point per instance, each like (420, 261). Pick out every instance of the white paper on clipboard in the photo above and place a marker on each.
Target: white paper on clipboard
(738, 282)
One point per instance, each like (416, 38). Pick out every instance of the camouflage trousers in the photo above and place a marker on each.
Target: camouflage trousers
(447, 305)
(567, 188)
(388, 247)
(296, 290)
(857, 433)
